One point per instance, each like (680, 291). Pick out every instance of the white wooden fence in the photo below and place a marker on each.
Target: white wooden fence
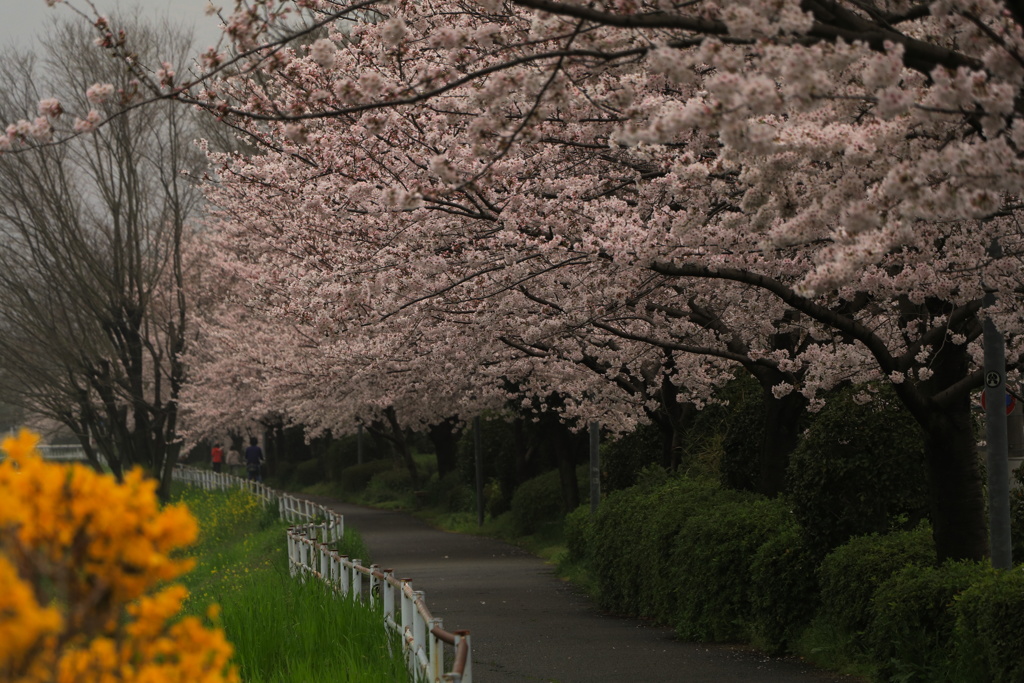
(310, 554)
(61, 452)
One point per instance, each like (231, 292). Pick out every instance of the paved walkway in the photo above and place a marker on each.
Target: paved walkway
(528, 625)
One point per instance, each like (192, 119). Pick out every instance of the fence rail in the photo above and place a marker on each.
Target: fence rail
(61, 452)
(315, 528)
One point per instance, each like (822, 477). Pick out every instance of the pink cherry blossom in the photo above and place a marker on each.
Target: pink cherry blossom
(98, 93)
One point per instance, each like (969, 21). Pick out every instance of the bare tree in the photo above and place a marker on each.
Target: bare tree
(92, 274)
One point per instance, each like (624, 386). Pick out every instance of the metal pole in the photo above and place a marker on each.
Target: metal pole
(595, 465)
(995, 436)
(359, 445)
(478, 459)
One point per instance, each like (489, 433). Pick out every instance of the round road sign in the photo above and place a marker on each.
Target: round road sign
(1011, 402)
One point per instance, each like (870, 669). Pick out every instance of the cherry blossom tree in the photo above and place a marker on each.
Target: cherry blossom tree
(823, 190)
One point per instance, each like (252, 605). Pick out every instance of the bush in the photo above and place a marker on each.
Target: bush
(616, 542)
(356, 478)
(451, 494)
(87, 565)
(712, 564)
(309, 472)
(910, 633)
(726, 436)
(536, 502)
(539, 501)
(340, 453)
(850, 575)
(678, 551)
(1017, 512)
(579, 531)
(990, 629)
(859, 469)
(623, 458)
(741, 442)
(500, 440)
(784, 589)
(388, 485)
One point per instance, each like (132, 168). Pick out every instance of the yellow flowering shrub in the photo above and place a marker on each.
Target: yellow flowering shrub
(84, 569)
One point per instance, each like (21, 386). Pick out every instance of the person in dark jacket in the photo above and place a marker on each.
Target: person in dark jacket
(254, 460)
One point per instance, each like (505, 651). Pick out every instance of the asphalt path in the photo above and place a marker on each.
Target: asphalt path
(528, 625)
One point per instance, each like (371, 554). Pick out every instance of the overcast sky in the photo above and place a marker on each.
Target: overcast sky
(25, 20)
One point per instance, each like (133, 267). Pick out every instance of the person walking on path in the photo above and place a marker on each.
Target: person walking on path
(234, 461)
(217, 457)
(254, 460)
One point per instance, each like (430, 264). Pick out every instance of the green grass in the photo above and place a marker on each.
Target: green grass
(283, 629)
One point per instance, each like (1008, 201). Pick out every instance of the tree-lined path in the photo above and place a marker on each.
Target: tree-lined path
(527, 625)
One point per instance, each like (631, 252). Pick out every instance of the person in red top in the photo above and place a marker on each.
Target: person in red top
(217, 457)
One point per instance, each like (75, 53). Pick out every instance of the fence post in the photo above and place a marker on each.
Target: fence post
(389, 598)
(291, 553)
(419, 628)
(374, 584)
(307, 557)
(467, 673)
(436, 651)
(346, 577)
(407, 609)
(335, 567)
(325, 569)
(357, 580)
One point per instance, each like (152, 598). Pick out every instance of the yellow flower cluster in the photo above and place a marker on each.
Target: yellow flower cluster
(81, 559)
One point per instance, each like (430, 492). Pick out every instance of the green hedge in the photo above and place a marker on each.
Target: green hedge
(389, 484)
(990, 629)
(723, 565)
(784, 589)
(579, 534)
(680, 551)
(538, 502)
(859, 469)
(633, 537)
(850, 575)
(712, 561)
(625, 456)
(913, 616)
(451, 494)
(355, 479)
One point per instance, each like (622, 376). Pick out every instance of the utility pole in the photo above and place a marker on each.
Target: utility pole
(595, 466)
(996, 442)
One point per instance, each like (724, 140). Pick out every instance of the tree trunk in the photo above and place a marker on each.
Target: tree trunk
(671, 420)
(398, 440)
(445, 437)
(958, 510)
(565, 443)
(780, 435)
(956, 494)
(166, 475)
